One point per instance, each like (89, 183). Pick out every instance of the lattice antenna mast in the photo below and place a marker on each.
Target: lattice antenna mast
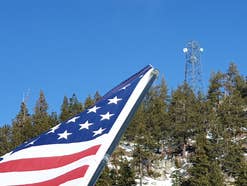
(24, 100)
(193, 72)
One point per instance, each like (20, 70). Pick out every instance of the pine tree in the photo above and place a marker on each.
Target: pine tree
(22, 116)
(5, 139)
(183, 116)
(54, 119)
(215, 91)
(97, 96)
(137, 122)
(65, 114)
(104, 179)
(70, 107)
(126, 174)
(114, 176)
(22, 128)
(233, 160)
(233, 80)
(199, 172)
(242, 175)
(88, 102)
(41, 119)
(75, 107)
(41, 105)
(215, 174)
(142, 155)
(155, 112)
(233, 105)
(204, 170)
(231, 115)
(215, 128)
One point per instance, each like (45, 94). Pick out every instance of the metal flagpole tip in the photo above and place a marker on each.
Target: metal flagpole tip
(155, 72)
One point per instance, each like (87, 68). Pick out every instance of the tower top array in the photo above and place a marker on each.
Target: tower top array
(193, 71)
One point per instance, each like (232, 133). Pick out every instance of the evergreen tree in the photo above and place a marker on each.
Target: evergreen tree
(126, 174)
(215, 174)
(88, 102)
(231, 115)
(114, 176)
(215, 91)
(136, 123)
(215, 128)
(97, 96)
(5, 139)
(41, 119)
(22, 116)
(54, 119)
(70, 107)
(183, 116)
(199, 172)
(155, 113)
(144, 143)
(75, 107)
(233, 80)
(204, 170)
(41, 105)
(233, 160)
(65, 113)
(22, 128)
(242, 175)
(104, 179)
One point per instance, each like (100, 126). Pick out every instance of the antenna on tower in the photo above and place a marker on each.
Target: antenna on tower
(25, 96)
(193, 72)
(24, 100)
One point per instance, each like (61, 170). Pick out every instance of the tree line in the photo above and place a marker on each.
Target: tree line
(207, 129)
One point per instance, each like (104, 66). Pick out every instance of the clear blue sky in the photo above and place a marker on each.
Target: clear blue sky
(66, 47)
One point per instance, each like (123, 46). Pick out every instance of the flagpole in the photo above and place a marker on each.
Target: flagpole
(104, 161)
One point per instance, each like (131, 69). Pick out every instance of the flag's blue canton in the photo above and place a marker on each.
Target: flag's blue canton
(93, 122)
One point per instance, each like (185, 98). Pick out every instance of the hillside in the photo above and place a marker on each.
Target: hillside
(175, 138)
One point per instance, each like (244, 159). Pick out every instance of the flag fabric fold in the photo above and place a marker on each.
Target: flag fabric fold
(75, 151)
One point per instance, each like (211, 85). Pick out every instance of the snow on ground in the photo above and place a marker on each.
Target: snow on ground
(164, 167)
(147, 181)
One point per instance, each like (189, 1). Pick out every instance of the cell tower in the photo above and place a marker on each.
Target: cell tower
(193, 72)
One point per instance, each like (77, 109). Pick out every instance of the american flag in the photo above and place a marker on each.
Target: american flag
(75, 151)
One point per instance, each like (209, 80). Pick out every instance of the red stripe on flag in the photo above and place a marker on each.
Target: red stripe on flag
(46, 162)
(74, 174)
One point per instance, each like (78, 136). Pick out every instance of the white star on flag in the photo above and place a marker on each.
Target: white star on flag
(53, 129)
(97, 132)
(114, 100)
(73, 119)
(93, 109)
(85, 125)
(126, 86)
(32, 142)
(106, 116)
(64, 135)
